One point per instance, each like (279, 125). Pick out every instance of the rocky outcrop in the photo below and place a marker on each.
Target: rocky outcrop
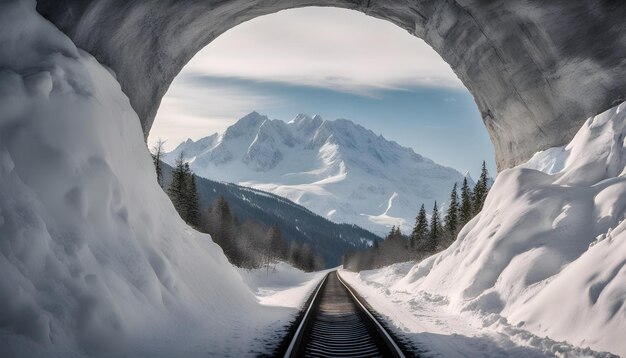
(536, 69)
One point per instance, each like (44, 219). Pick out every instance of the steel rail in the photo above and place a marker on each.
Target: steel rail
(337, 324)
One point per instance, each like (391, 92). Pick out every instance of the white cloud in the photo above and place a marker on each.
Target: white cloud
(331, 48)
(326, 47)
(193, 110)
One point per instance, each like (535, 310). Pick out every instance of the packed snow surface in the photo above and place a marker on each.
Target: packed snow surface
(547, 255)
(93, 256)
(337, 169)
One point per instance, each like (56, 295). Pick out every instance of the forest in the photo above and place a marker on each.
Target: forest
(430, 234)
(247, 243)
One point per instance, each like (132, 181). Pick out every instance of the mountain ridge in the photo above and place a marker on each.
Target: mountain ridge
(336, 168)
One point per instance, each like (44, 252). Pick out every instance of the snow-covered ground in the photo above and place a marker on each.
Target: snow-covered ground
(282, 285)
(94, 258)
(437, 330)
(545, 258)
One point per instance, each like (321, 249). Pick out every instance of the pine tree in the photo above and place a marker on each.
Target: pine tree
(157, 156)
(466, 209)
(222, 231)
(420, 231)
(395, 233)
(193, 202)
(481, 189)
(224, 214)
(398, 234)
(451, 219)
(177, 190)
(435, 230)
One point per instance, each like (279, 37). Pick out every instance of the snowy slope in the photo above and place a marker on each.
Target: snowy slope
(326, 238)
(547, 255)
(337, 169)
(94, 258)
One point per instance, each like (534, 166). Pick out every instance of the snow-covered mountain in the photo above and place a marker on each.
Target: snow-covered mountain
(337, 169)
(297, 224)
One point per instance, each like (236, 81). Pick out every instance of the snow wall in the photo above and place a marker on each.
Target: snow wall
(548, 251)
(93, 256)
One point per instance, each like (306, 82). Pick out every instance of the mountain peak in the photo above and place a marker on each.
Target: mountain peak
(253, 117)
(248, 124)
(304, 118)
(337, 168)
(301, 117)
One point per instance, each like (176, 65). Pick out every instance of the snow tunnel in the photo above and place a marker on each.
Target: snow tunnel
(536, 69)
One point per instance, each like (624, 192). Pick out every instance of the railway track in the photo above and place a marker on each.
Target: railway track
(337, 324)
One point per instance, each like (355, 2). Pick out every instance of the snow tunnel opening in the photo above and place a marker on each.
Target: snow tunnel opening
(288, 103)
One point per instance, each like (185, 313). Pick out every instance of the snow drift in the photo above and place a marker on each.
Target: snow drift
(548, 251)
(93, 256)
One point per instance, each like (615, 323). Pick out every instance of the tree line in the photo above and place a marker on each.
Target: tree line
(428, 236)
(249, 244)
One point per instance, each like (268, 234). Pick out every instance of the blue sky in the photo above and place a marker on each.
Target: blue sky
(335, 63)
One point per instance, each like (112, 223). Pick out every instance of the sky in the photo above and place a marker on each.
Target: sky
(336, 63)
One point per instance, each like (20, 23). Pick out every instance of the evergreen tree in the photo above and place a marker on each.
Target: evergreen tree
(224, 214)
(481, 189)
(394, 233)
(222, 231)
(193, 202)
(157, 156)
(420, 231)
(397, 235)
(177, 190)
(451, 219)
(435, 230)
(466, 208)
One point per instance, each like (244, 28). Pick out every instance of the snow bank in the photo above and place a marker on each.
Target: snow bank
(437, 330)
(282, 285)
(548, 251)
(94, 259)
